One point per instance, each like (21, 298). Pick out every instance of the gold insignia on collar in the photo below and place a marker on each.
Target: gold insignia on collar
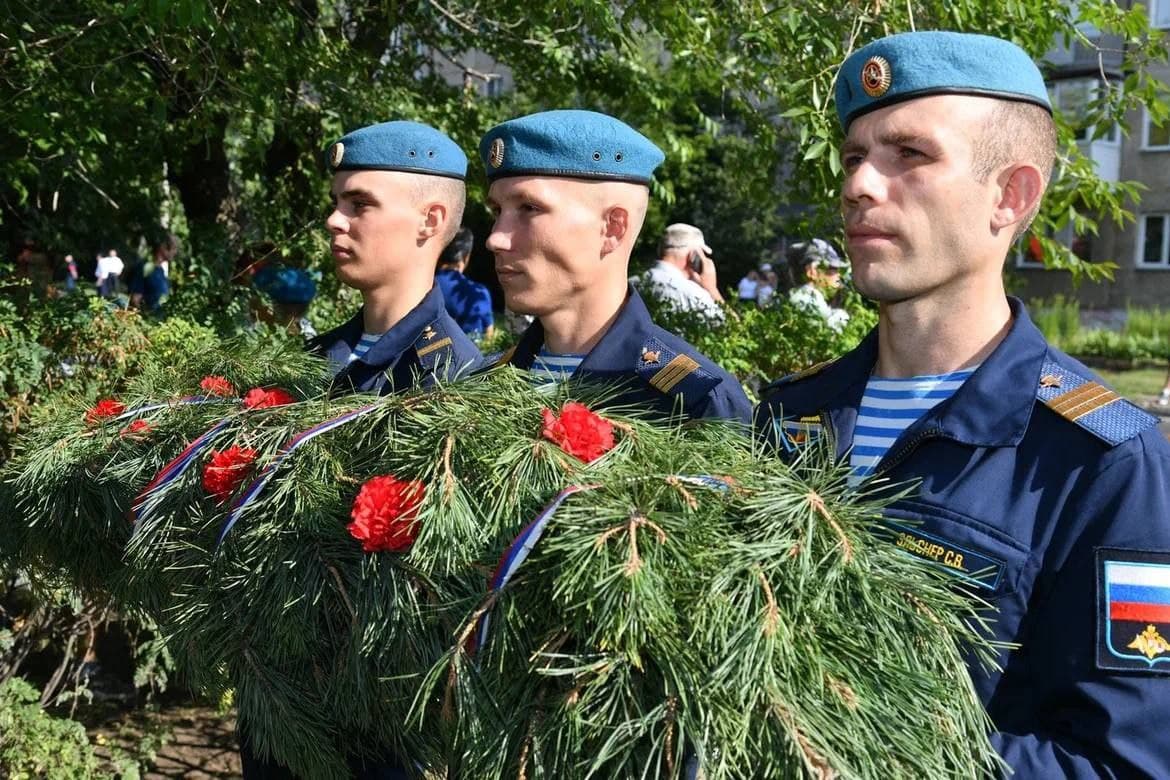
(650, 357)
(1050, 380)
(336, 154)
(428, 333)
(496, 154)
(1150, 643)
(876, 76)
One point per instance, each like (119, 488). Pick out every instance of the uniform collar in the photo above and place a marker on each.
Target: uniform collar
(393, 342)
(991, 409)
(616, 353)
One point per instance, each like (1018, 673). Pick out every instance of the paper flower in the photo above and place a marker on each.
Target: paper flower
(217, 385)
(103, 410)
(226, 470)
(259, 398)
(385, 514)
(578, 431)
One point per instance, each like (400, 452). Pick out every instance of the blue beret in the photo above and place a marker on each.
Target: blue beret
(285, 285)
(398, 146)
(569, 143)
(916, 64)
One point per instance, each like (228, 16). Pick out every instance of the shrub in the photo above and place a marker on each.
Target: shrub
(1058, 318)
(34, 744)
(758, 345)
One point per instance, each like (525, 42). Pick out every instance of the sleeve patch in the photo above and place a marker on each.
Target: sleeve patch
(1133, 610)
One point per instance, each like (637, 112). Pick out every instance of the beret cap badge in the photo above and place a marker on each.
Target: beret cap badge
(496, 155)
(336, 154)
(876, 76)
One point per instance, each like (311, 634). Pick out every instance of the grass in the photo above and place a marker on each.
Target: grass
(1137, 385)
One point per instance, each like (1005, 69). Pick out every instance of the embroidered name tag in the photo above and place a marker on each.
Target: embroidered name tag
(963, 561)
(1133, 610)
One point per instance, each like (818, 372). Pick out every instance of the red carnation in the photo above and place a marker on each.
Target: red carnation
(385, 514)
(103, 410)
(217, 385)
(139, 429)
(227, 470)
(579, 431)
(259, 398)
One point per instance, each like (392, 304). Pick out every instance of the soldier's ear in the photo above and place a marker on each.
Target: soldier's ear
(434, 218)
(1020, 189)
(615, 226)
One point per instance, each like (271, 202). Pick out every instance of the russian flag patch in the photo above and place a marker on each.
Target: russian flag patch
(1133, 590)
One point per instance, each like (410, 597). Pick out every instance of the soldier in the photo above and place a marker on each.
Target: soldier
(398, 194)
(569, 190)
(1039, 488)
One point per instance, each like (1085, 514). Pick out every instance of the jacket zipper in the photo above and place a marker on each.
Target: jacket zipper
(889, 462)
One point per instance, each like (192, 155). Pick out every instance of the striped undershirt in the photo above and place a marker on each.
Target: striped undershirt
(363, 346)
(548, 367)
(889, 407)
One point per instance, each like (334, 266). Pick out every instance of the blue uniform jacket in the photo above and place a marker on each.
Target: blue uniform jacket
(468, 302)
(1045, 492)
(662, 372)
(424, 346)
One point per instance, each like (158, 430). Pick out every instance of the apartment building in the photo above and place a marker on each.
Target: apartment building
(1140, 249)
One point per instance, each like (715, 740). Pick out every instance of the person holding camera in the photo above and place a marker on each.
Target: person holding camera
(684, 276)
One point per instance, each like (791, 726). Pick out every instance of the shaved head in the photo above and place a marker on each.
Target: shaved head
(1015, 132)
(450, 192)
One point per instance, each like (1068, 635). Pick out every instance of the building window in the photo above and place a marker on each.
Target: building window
(1160, 14)
(1074, 97)
(1154, 241)
(1155, 137)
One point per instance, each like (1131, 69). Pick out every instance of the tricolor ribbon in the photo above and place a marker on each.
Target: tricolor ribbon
(173, 470)
(253, 491)
(520, 548)
(190, 399)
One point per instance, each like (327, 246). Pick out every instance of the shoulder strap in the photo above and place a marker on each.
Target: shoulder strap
(1091, 405)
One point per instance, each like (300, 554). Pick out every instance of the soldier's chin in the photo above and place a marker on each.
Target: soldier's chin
(520, 303)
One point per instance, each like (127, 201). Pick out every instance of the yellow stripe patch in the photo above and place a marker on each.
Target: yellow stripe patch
(673, 372)
(1078, 402)
(429, 348)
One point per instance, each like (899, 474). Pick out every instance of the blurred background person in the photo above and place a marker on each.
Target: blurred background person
(109, 270)
(747, 287)
(684, 277)
(767, 286)
(290, 291)
(816, 268)
(468, 302)
(70, 274)
(149, 284)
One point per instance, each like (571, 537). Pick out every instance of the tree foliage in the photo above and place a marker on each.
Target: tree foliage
(209, 118)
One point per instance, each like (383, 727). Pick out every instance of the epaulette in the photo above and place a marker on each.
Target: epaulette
(804, 373)
(1091, 405)
(431, 345)
(673, 373)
